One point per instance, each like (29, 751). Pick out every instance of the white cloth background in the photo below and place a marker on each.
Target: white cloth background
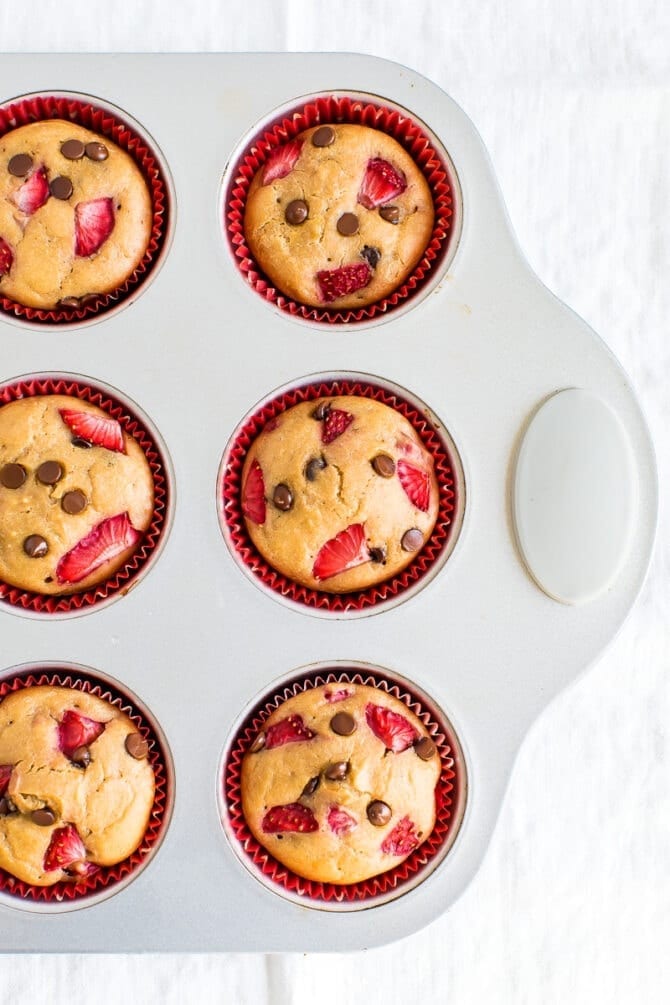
(572, 903)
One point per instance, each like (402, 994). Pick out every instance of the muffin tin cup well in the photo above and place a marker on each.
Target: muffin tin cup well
(358, 108)
(134, 423)
(107, 880)
(392, 591)
(450, 792)
(116, 125)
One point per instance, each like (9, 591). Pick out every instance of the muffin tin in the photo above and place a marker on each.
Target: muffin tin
(196, 640)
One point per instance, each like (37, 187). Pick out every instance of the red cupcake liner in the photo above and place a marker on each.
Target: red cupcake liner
(230, 495)
(127, 574)
(330, 109)
(102, 121)
(105, 876)
(449, 796)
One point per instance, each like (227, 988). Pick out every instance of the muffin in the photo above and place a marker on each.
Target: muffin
(339, 493)
(76, 494)
(75, 215)
(340, 784)
(338, 216)
(76, 785)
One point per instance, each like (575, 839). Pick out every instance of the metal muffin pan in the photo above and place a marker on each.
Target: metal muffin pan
(195, 640)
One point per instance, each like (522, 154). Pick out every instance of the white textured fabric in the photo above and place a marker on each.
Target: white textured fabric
(573, 900)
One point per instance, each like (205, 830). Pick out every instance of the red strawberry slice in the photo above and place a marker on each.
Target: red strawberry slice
(402, 840)
(292, 817)
(253, 494)
(395, 731)
(344, 551)
(93, 223)
(339, 821)
(339, 695)
(416, 483)
(6, 257)
(334, 424)
(108, 539)
(381, 183)
(95, 429)
(66, 851)
(5, 775)
(289, 730)
(281, 161)
(33, 193)
(75, 730)
(334, 283)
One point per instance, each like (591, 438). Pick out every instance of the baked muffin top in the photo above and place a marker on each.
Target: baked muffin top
(76, 785)
(339, 216)
(339, 493)
(340, 783)
(76, 494)
(75, 214)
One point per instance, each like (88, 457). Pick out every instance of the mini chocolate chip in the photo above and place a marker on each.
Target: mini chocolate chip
(258, 744)
(282, 497)
(378, 555)
(73, 302)
(90, 298)
(411, 540)
(61, 187)
(44, 817)
(343, 724)
(321, 411)
(49, 472)
(35, 546)
(347, 225)
(337, 772)
(20, 165)
(379, 813)
(96, 151)
(74, 502)
(313, 467)
(390, 213)
(12, 476)
(384, 465)
(296, 212)
(78, 441)
(81, 756)
(73, 150)
(311, 787)
(323, 136)
(6, 806)
(425, 748)
(48, 579)
(371, 255)
(136, 746)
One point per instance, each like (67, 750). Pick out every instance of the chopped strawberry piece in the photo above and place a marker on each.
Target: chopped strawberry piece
(344, 551)
(339, 695)
(5, 775)
(416, 483)
(6, 257)
(395, 731)
(95, 429)
(66, 849)
(402, 840)
(33, 193)
(253, 494)
(292, 817)
(108, 539)
(334, 424)
(334, 283)
(289, 730)
(339, 821)
(76, 730)
(381, 183)
(93, 223)
(281, 161)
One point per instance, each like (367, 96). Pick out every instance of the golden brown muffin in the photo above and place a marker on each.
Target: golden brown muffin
(76, 494)
(76, 785)
(75, 214)
(339, 216)
(339, 493)
(340, 784)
